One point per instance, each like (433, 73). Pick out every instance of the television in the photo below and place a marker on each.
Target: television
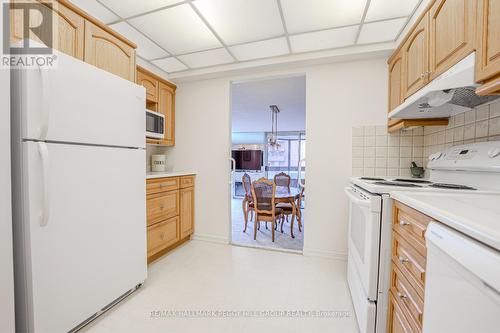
(248, 159)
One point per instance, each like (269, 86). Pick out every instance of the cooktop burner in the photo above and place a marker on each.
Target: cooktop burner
(397, 184)
(416, 181)
(452, 186)
(372, 178)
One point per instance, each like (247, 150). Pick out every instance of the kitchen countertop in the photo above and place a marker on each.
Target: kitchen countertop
(153, 175)
(476, 215)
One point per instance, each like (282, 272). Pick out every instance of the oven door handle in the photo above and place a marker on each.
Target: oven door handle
(350, 194)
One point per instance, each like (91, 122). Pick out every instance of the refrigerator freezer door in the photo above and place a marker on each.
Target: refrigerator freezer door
(79, 103)
(86, 226)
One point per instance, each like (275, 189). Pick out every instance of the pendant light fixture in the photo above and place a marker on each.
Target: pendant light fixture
(273, 137)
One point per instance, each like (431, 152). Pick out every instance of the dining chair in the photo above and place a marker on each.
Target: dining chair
(282, 179)
(264, 193)
(247, 203)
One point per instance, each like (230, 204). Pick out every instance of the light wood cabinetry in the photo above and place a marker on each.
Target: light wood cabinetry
(170, 213)
(488, 50)
(452, 25)
(395, 81)
(160, 97)
(79, 35)
(409, 256)
(107, 52)
(67, 38)
(415, 58)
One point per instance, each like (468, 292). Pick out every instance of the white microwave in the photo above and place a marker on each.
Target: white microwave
(155, 125)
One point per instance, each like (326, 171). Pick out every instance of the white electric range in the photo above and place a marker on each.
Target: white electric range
(471, 168)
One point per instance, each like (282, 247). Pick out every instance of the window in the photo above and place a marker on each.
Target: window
(286, 158)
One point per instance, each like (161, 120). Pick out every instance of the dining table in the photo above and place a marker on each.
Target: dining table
(286, 194)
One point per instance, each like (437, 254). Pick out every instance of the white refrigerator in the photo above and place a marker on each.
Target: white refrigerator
(79, 201)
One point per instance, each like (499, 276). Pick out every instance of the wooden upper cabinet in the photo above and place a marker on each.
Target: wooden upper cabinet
(452, 26)
(395, 81)
(415, 58)
(488, 51)
(166, 105)
(67, 32)
(150, 84)
(109, 53)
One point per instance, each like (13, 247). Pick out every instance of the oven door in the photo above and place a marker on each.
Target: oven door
(364, 237)
(155, 125)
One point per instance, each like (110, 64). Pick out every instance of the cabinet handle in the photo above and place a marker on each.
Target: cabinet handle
(162, 185)
(403, 223)
(401, 296)
(402, 259)
(162, 206)
(422, 75)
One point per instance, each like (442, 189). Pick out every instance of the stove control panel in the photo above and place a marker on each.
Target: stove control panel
(494, 152)
(479, 156)
(461, 154)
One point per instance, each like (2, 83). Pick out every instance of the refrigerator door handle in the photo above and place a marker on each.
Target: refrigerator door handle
(44, 105)
(44, 154)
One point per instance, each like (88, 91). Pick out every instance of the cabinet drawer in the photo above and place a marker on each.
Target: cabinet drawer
(411, 224)
(187, 181)
(162, 185)
(162, 235)
(410, 262)
(397, 322)
(408, 299)
(162, 206)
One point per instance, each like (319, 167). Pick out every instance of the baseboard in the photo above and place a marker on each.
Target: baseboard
(210, 238)
(337, 255)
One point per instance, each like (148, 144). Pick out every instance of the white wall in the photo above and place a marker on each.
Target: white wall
(6, 268)
(338, 96)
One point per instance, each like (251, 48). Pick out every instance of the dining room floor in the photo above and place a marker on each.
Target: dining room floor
(264, 240)
(208, 287)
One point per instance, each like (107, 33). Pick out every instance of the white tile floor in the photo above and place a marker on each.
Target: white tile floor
(208, 276)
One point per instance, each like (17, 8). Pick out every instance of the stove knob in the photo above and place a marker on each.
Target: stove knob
(494, 152)
(435, 156)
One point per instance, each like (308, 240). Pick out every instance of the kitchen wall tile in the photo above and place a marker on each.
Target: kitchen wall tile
(368, 172)
(494, 126)
(470, 116)
(405, 132)
(482, 128)
(451, 122)
(495, 110)
(405, 172)
(393, 162)
(357, 152)
(393, 141)
(469, 131)
(393, 151)
(357, 162)
(381, 141)
(369, 152)
(468, 141)
(458, 133)
(482, 112)
(392, 172)
(405, 152)
(418, 141)
(441, 137)
(418, 152)
(358, 131)
(381, 162)
(370, 130)
(481, 139)
(357, 172)
(381, 151)
(380, 172)
(404, 162)
(449, 135)
(459, 119)
(406, 141)
(358, 141)
(369, 141)
(369, 162)
(418, 131)
(380, 130)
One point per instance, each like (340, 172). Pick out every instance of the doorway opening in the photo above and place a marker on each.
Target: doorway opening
(268, 141)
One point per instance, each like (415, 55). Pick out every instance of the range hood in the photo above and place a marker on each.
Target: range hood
(451, 93)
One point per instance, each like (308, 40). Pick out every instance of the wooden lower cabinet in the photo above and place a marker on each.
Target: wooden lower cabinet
(170, 213)
(409, 258)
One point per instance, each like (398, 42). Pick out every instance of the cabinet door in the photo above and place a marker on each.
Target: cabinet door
(107, 52)
(396, 322)
(452, 33)
(150, 84)
(416, 58)
(395, 82)
(488, 51)
(68, 33)
(166, 105)
(187, 211)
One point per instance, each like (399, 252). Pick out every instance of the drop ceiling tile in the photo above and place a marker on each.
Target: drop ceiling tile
(128, 8)
(169, 65)
(307, 15)
(178, 30)
(381, 31)
(384, 9)
(326, 39)
(263, 49)
(145, 48)
(96, 10)
(207, 58)
(239, 21)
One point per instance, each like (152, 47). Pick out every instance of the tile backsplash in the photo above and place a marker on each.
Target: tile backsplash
(378, 153)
